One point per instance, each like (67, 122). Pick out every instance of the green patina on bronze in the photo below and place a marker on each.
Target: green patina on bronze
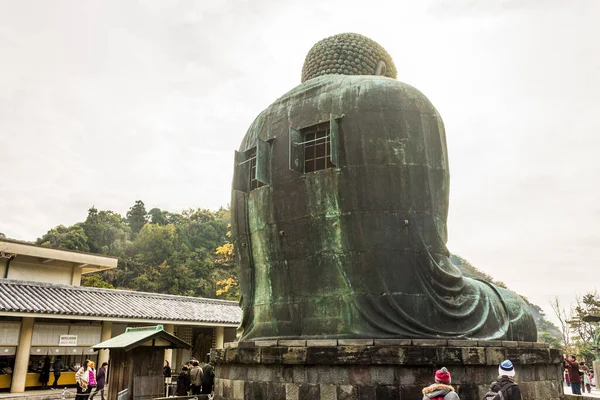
(359, 251)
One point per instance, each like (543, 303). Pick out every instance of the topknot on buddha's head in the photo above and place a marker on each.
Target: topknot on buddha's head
(348, 54)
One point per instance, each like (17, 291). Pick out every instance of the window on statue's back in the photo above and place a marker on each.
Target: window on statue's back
(317, 147)
(254, 183)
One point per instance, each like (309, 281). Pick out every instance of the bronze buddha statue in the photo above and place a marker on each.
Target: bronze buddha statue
(339, 208)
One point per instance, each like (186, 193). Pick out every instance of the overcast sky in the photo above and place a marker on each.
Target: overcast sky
(107, 102)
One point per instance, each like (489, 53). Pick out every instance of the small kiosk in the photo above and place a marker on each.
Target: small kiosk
(136, 361)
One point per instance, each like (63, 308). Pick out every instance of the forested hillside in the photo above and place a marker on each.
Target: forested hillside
(185, 253)
(158, 251)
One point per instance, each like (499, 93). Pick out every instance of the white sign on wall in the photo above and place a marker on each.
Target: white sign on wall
(67, 340)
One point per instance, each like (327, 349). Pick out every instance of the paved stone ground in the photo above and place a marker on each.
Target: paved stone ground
(40, 394)
(595, 392)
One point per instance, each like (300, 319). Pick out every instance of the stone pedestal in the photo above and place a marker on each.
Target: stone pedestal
(378, 369)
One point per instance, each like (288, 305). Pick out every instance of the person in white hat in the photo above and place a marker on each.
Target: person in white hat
(505, 384)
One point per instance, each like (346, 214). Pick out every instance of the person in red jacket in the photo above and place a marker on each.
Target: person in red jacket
(573, 368)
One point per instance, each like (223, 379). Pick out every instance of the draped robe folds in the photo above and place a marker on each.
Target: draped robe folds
(359, 251)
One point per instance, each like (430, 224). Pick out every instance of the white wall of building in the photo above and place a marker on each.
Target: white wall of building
(24, 271)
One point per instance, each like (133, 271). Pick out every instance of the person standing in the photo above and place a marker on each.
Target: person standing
(57, 367)
(196, 377)
(45, 374)
(100, 381)
(92, 376)
(166, 369)
(441, 389)
(82, 377)
(208, 377)
(183, 381)
(167, 376)
(572, 367)
(505, 383)
(587, 383)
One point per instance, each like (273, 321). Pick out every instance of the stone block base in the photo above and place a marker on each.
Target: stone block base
(378, 370)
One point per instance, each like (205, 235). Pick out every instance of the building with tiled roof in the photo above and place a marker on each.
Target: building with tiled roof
(45, 313)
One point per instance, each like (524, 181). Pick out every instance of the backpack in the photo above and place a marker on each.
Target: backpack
(439, 397)
(499, 395)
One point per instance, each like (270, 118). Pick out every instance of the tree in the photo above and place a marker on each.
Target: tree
(563, 319)
(155, 243)
(61, 237)
(225, 274)
(136, 217)
(106, 231)
(158, 216)
(585, 331)
(95, 280)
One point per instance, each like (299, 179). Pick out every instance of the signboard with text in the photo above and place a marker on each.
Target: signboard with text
(67, 340)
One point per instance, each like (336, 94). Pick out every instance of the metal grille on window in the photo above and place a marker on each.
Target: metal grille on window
(254, 183)
(317, 147)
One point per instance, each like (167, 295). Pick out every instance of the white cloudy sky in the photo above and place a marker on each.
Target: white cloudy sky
(106, 102)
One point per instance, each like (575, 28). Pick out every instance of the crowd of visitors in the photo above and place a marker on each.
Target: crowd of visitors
(87, 379)
(578, 376)
(503, 388)
(195, 379)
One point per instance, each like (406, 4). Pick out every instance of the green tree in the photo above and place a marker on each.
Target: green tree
(158, 216)
(155, 243)
(95, 280)
(137, 217)
(584, 331)
(106, 231)
(172, 253)
(61, 237)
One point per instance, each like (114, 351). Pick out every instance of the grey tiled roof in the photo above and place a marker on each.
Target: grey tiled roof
(46, 298)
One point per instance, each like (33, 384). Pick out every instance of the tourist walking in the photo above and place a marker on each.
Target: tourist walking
(572, 367)
(45, 374)
(441, 389)
(57, 367)
(183, 381)
(196, 377)
(208, 377)
(92, 375)
(82, 378)
(100, 381)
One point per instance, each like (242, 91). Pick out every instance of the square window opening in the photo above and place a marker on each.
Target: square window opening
(317, 147)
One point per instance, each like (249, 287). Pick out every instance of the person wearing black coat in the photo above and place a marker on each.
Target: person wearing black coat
(45, 374)
(183, 381)
(208, 378)
(57, 367)
(506, 382)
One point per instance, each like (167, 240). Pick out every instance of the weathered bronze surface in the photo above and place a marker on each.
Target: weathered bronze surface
(359, 250)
